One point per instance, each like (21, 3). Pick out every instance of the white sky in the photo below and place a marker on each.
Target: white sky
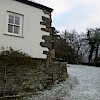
(74, 14)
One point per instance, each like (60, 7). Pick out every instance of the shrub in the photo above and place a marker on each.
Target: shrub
(13, 57)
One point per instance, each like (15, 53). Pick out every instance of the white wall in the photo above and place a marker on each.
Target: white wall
(31, 28)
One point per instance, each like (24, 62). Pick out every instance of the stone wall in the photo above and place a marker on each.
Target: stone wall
(57, 71)
(27, 79)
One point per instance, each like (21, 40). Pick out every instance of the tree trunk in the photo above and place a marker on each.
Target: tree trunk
(78, 55)
(96, 52)
(91, 52)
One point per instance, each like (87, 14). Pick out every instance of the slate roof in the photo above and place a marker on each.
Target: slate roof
(37, 5)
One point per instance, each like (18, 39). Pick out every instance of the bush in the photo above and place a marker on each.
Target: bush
(16, 58)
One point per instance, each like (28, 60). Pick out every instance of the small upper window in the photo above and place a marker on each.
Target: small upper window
(14, 24)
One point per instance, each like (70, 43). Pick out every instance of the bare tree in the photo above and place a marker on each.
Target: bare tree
(75, 40)
(93, 37)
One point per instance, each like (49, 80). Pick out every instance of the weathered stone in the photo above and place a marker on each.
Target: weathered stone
(46, 44)
(46, 12)
(52, 52)
(59, 71)
(46, 29)
(47, 38)
(46, 52)
(46, 20)
(45, 23)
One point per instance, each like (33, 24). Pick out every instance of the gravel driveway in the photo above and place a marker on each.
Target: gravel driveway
(89, 82)
(83, 83)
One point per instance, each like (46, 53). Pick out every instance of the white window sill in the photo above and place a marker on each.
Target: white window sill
(15, 35)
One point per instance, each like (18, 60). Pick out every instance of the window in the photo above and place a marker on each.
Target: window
(14, 26)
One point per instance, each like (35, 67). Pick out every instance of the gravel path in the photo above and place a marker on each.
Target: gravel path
(83, 83)
(89, 83)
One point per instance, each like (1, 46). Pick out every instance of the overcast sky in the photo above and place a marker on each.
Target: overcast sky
(74, 14)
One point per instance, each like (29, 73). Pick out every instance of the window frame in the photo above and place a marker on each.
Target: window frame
(20, 33)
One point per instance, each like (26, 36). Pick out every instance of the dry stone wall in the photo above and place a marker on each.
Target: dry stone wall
(25, 79)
